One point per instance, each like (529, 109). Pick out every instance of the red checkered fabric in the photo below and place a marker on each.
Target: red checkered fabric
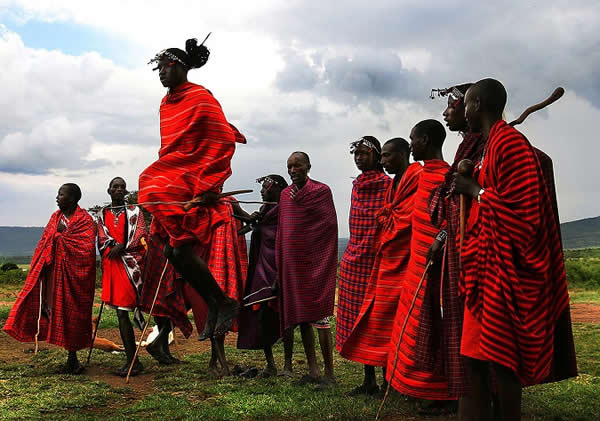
(306, 253)
(197, 144)
(513, 275)
(402, 371)
(369, 340)
(68, 261)
(368, 196)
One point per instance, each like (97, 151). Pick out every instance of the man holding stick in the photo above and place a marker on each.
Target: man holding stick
(513, 277)
(259, 320)
(121, 242)
(197, 144)
(405, 372)
(55, 305)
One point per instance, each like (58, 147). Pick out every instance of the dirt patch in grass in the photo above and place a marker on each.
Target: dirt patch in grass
(585, 313)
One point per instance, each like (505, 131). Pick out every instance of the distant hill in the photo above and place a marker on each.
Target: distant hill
(581, 233)
(21, 241)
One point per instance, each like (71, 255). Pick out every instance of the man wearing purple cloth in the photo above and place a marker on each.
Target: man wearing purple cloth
(306, 255)
(259, 319)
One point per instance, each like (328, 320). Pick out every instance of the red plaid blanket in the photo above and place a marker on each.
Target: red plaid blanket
(369, 341)
(68, 261)
(368, 196)
(306, 253)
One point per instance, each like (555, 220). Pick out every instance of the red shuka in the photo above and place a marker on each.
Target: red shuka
(122, 276)
(197, 144)
(403, 371)
(368, 196)
(170, 301)
(369, 340)
(513, 275)
(66, 260)
(306, 253)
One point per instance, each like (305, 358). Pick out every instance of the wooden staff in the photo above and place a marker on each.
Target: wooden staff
(465, 167)
(35, 349)
(199, 201)
(95, 333)
(555, 96)
(412, 305)
(175, 340)
(137, 350)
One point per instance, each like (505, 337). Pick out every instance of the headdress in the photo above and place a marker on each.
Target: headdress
(273, 179)
(363, 141)
(194, 56)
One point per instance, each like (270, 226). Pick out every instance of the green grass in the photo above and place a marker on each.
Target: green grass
(186, 391)
(581, 295)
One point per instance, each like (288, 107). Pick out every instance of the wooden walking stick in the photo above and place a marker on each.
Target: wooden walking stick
(36, 348)
(137, 350)
(95, 333)
(412, 305)
(175, 340)
(465, 167)
(555, 96)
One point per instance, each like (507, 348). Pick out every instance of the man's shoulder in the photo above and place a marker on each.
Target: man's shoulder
(319, 186)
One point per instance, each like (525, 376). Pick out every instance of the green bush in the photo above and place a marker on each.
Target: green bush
(16, 276)
(583, 273)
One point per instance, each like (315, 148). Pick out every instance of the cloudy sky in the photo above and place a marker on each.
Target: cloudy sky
(79, 104)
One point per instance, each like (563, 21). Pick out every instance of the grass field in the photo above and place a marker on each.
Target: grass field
(31, 389)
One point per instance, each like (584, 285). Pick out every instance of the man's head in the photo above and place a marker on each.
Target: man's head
(173, 63)
(68, 196)
(454, 114)
(367, 153)
(426, 139)
(298, 165)
(272, 185)
(394, 155)
(484, 101)
(117, 189)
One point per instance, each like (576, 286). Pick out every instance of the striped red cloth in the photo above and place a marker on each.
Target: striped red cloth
(197, 144)
(170, 301)
(66, 264)
(402, 371)
(369, 340)
(513, 275)
(306, 253)
(368, 196)
(442, 345)
(226, 260)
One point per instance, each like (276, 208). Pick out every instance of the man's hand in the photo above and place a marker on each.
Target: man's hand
(435, 252)
(115, 251)
(466, 185)
(61, 227)
(208, 198)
